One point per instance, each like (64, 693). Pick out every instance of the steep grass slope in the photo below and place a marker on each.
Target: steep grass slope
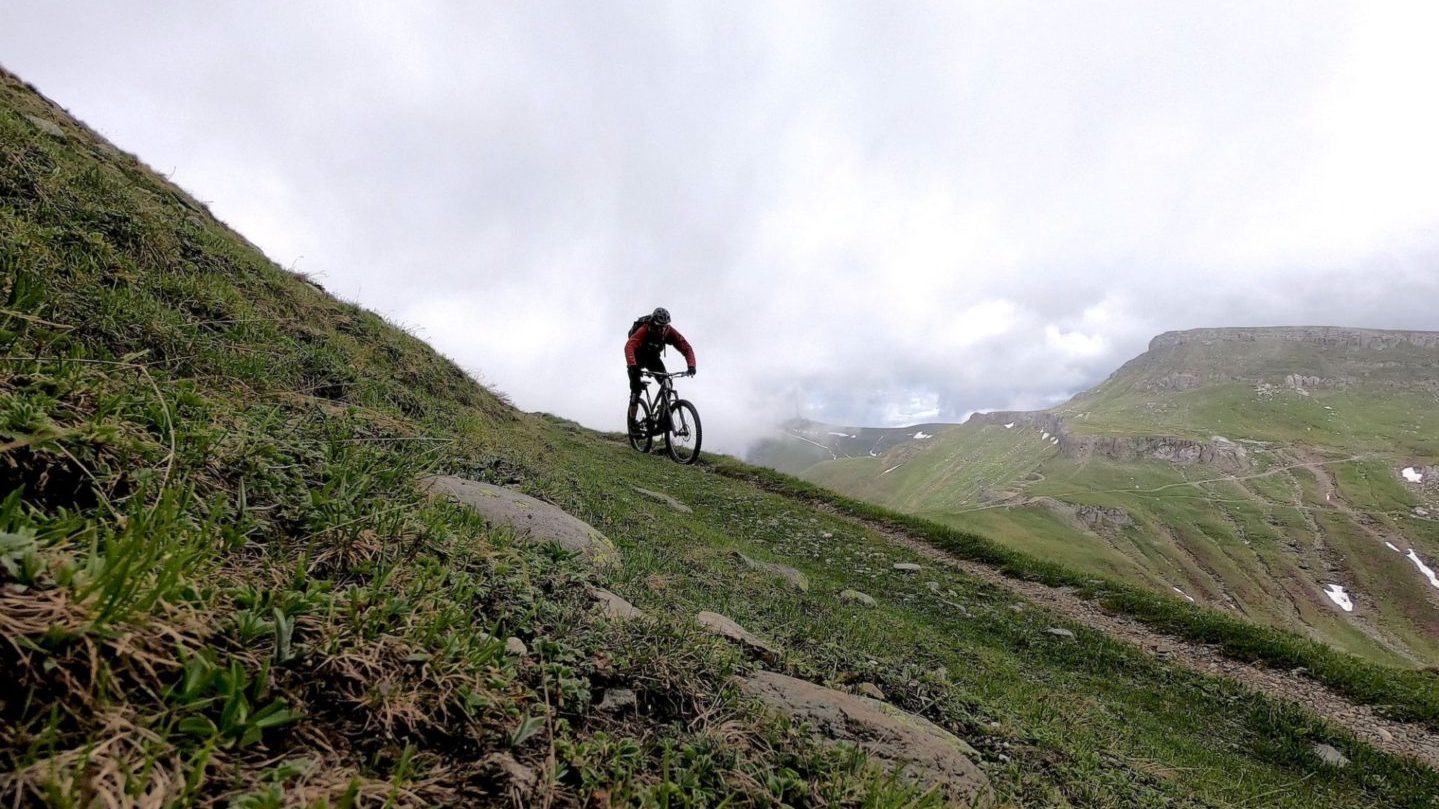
(220, 584)
(1252, 470)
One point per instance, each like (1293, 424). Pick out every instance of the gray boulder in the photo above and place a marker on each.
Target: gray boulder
(930, 755)
(531, 519)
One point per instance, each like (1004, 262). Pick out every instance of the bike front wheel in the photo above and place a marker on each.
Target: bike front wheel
(641, 437)
(682, 439)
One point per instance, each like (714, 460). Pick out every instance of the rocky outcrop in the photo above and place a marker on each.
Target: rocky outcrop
(927, 753)
(1048, 422)
(531, 519)
(1218, 452)
(1086, 518)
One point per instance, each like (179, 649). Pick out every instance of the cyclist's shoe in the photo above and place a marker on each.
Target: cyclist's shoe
(637, 430)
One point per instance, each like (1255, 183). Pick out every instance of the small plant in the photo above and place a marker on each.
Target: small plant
(225, 705)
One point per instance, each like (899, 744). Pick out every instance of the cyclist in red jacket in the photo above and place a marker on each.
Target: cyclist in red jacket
(647, 341)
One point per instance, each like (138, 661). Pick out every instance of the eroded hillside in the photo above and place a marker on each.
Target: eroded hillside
(1283, 474)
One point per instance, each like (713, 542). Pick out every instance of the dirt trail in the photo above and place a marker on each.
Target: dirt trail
(1401, 738)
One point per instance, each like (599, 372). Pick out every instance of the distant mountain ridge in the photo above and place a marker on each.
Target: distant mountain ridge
(1320, 335)
(1255, 469)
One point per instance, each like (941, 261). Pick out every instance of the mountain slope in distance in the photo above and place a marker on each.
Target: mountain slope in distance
(1289, 475)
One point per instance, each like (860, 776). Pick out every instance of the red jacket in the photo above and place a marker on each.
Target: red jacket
(671, 336)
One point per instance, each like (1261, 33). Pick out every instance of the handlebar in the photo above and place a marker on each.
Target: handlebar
(659, 375)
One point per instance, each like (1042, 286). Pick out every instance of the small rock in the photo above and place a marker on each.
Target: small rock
(1384, 734)
(826, 535)
(1016, 608)
(516, 647)
(1331, 756)
(617, 698)
(857, 597)
(666, 499)
(727, 628)
(906, 567)
(1059, 632)
(47, 126)
(793, 577)
(869, 690)
(615, 608)
(518, 778)
(933, 586)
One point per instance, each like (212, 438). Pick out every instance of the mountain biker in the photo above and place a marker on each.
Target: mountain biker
(643, 349)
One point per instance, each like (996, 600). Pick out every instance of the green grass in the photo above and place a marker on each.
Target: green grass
(1246, 545)
(1408, 694)
(219, 583)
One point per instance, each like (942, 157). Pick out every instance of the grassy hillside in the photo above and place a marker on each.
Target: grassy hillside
(1251, 471)
(220, 583)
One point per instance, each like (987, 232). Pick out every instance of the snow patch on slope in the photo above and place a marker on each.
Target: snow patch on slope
(1423, 568)
(1338, 596)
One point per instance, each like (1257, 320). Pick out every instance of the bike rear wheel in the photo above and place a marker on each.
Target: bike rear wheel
(639, 429)
(682, 439)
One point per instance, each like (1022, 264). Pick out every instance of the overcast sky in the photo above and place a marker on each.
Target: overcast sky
(875, 213)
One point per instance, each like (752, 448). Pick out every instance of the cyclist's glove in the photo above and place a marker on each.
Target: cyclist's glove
(692, 370)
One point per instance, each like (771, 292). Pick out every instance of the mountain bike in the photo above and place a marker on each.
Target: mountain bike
(668, 415)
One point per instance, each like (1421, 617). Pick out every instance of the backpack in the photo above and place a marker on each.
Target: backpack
(639, 321)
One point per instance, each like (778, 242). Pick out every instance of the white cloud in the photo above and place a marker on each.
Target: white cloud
(869, 214)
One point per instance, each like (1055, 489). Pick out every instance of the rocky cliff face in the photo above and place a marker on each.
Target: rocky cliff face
(1049, 422)
(1217, 452)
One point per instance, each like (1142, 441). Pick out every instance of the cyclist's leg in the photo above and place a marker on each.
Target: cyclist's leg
(650, 361)
(654, 363)
(635, 388)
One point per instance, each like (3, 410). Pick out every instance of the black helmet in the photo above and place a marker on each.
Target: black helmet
(661, 316)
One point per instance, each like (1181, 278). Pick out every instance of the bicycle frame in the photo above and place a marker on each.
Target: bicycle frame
(659, 405)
